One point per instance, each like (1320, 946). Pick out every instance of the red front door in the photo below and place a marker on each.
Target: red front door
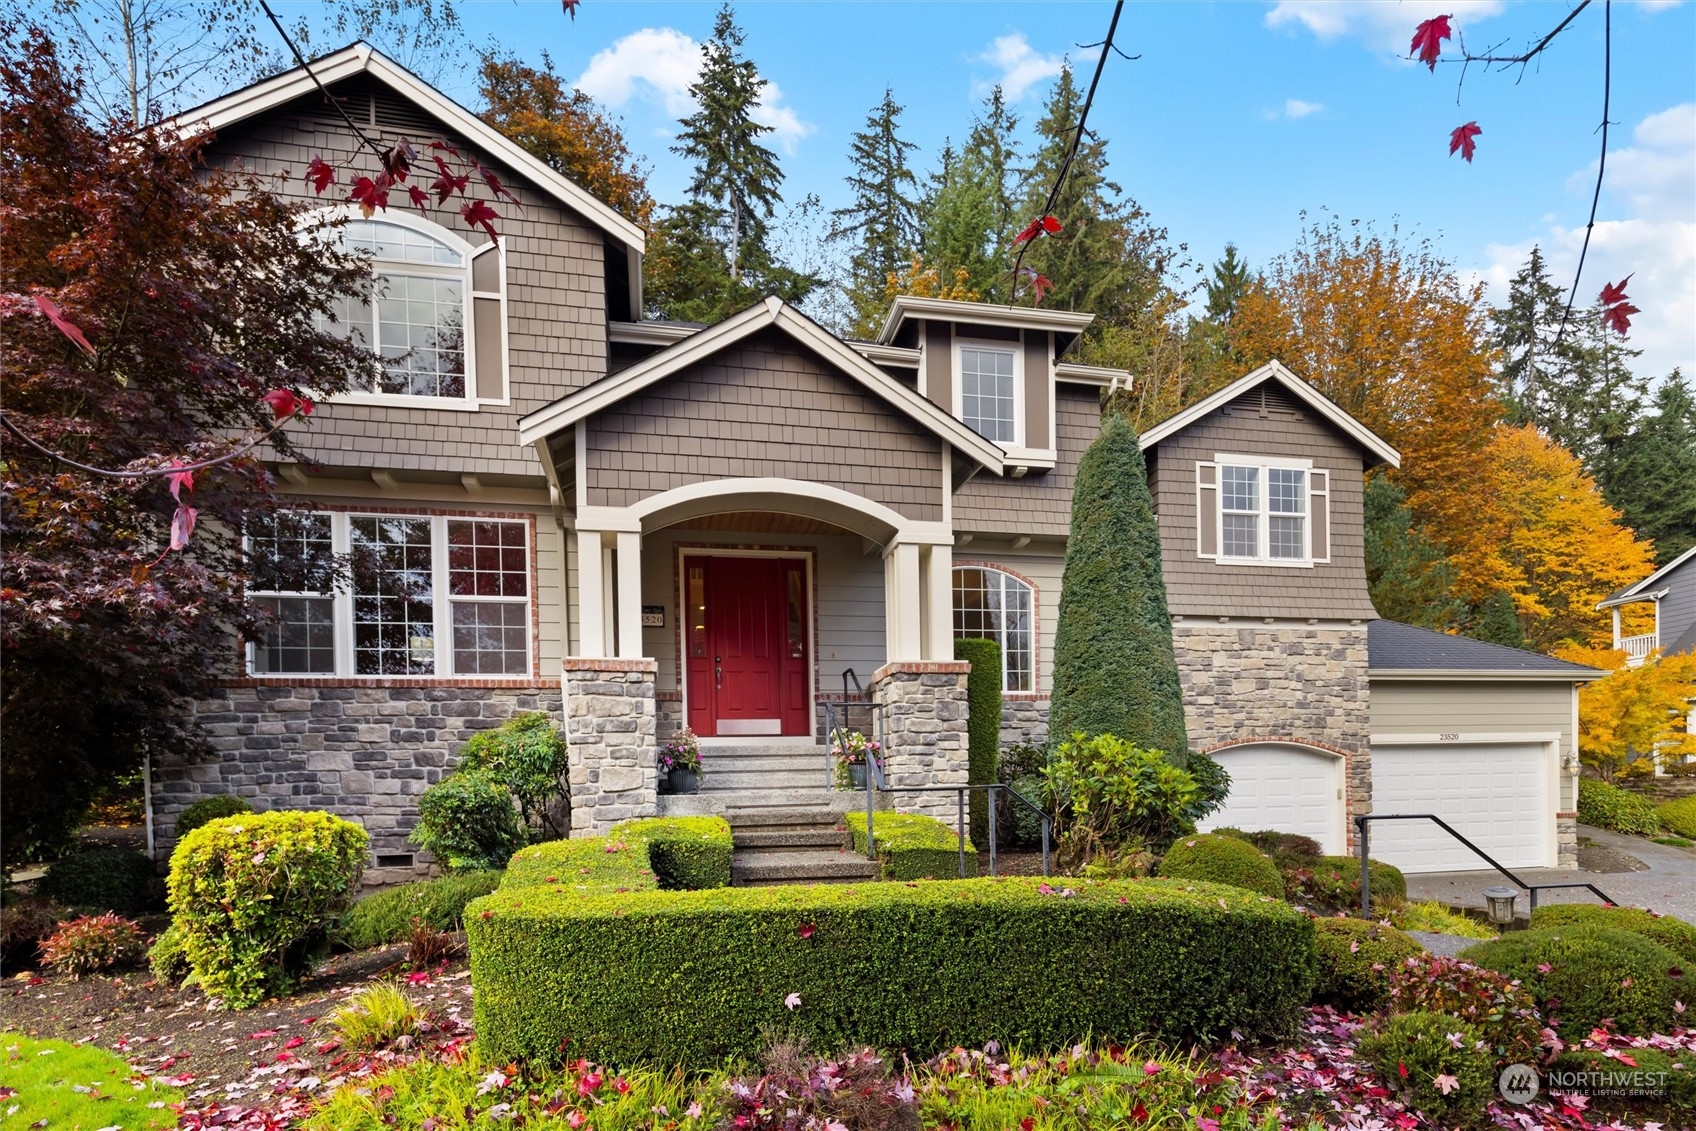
(747, 645)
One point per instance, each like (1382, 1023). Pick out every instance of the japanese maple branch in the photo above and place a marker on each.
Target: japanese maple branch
(143, 473)
(1602, 164)
(1534, 51)
(381, 153)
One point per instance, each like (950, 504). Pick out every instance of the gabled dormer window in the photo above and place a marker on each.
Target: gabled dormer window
(989, 391)
(1262, 510)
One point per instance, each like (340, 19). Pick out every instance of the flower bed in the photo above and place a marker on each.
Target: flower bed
(700, 975)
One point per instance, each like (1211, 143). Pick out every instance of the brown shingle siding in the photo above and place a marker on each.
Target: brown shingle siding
(1041, 502)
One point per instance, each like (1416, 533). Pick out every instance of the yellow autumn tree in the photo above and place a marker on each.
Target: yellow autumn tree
(1385, 327)
(920, 281)
(1634, 713)
(1541, 531)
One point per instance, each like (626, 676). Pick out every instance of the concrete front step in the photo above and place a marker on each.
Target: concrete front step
(715, 764)
(738, 780)
(827, 804)
(817, 866)
(789, 836)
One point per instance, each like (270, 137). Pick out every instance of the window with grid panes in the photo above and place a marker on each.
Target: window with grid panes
(997, 606)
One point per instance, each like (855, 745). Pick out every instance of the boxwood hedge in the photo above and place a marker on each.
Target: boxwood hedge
(686, 853)
(386, 916)
(588, 866)
(912, 846)
(1673, 933)
(690, 978)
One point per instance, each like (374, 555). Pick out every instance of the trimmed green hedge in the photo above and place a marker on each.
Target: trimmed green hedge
(1674, 934)
(912, 846)
(690, 978)
(1583, 973)
(585, 866)
(1356, 960)
(386, 916)
(1603, 805)
(1222, 860)
(983, 726)
(1679, 816)
(685, 853)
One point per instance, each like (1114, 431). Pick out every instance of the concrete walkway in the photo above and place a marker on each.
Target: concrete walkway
(1666, 885)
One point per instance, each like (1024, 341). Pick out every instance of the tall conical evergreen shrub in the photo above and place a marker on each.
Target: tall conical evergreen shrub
(1114, 669)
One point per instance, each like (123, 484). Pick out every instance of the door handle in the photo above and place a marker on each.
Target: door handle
(718, 671)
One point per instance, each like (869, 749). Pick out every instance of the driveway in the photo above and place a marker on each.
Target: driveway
(1667, 882)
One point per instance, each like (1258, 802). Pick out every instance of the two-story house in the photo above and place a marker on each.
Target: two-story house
(1671, 590)
(639, 525)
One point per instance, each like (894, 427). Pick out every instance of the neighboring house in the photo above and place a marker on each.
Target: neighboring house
(1672, 589)
(638, 525)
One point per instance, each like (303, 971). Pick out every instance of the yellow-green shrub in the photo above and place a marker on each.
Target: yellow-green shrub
(1674, 934)
(912, 846)
(1356, 960)
(685, 853)
(1583, 973)
(1679, 816)
(689, 978)
(1222, 860)
(250, 894)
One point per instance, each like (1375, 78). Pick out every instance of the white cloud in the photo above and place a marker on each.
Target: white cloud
(657, 65)
(1019, 65)
(1653, 182)
(1383, 26)
(1296, 108)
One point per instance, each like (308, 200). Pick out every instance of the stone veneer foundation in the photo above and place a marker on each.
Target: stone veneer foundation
(610, 721)
(923, 709)
(364, 752)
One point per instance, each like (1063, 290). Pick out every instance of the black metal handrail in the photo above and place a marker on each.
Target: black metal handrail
(1362, 823)
(960, 792)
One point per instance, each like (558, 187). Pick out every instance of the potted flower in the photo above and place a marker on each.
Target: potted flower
(850, 750)
(680, 762)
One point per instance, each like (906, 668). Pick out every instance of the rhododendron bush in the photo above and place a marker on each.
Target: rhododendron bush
(160, 327)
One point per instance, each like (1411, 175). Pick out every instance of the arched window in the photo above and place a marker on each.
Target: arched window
(999, 607)
(434, 315)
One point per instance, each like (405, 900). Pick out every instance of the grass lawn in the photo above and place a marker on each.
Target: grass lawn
(76, 1088)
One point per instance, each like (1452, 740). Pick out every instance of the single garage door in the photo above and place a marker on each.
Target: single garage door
(1294, 789)
(1494, 794)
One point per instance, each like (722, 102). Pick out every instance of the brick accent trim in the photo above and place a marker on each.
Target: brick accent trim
(1566, 815)
(1284, 738)
(922, 667)
(597, 664)
(507, 684)
(1025, 697)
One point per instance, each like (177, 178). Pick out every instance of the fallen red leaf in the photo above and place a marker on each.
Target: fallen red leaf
(1462, 138)
(1428, 40)
(66, 327)
(807, 930)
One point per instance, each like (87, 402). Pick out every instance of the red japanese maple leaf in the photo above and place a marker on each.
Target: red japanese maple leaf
(320, 174)
(177, 480)
(448, 183)
(477, 213)
(182, 527)
(420, 199)
(494, 182)
(65, 325)
(398, 159)
(370, 194)
(1036, 228)
(1462, 138)
(571, 8)
(1040, 283)
(1616, 308)
(1428, 40)
(285, 403)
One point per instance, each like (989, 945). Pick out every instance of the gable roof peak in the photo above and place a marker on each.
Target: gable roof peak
(1275, 370)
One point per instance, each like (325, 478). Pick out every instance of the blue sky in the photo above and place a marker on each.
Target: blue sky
(1235, 118)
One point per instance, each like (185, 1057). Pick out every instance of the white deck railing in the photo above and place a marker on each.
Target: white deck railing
(1637, 648)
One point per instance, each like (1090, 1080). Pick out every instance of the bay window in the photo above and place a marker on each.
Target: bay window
(995, 605)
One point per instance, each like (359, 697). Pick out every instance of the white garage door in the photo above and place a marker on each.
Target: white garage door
(1289, 788)
(1494, 794)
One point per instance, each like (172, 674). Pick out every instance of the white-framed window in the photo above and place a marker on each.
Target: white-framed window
(435, 315)
(989, 390)
(995, 605)
(1262, 510)
(425, 595)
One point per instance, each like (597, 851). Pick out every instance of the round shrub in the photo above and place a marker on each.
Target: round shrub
(1222, 860)
(387, 916)
(251, 895)
(210, 809)
(93, 943)
(1606, 806)
(100, 879)
(1356, 962)
(1415, 1057)
(1677, 1077)
(1286, 849)
(1679, 816)
(1581, 975)
(24, 926)
(166, 958)
(1674, 934)
(468, 822)
(1504, 1012)
(1332, 883)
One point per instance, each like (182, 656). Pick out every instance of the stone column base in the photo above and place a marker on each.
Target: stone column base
(1566, 839)
(922, 711)
(609, 724)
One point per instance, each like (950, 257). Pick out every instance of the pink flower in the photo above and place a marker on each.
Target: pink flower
(575, 1119)
(621, 1085)
(588, 1083)
(1151, 1067)
(693, 1111)
(417, 977)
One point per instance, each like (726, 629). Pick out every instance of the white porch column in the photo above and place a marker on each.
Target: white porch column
(591, 595)
(937, 562)
(903, 624)
(629, 595)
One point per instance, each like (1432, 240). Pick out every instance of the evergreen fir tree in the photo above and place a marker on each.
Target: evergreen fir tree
(968, 211)
(735, 175)
(1409, 578)
(1653, 477)
(1230, 280)
(1497, 622)
(883, 218)
(1114, 667)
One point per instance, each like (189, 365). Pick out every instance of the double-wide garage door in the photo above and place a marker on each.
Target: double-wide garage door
(1496, 794)
(1294, 789)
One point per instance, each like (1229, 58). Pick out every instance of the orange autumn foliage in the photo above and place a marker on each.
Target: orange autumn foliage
(1540, 530)
(1634, 712)
(1385, 328)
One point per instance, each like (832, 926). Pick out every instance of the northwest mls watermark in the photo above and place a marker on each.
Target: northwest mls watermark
(1520, 1083)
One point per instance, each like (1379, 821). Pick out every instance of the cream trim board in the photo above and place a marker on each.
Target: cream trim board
(980, 313)
(1314, 399)
(648, 333)
(1464, 738)
(1241, 459)
(1318, 497)
(1471, 675)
